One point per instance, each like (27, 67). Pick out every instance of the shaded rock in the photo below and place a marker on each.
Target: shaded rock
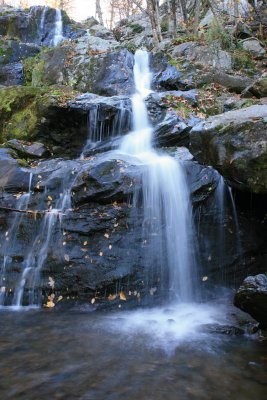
(104, 182)
(12, 50)
(11, 74)
(12, 177)
(27, 149)
(257, 89)
(171, 131)
(115, 75)
(223, 329)
(234, 83)
(235, 144)
(166, 76)
(253, 46)
(251, 297)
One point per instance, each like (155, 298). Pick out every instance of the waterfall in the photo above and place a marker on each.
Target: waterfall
(167, 226)
(58, 28)
(42, 22)
(10, 237)
(37, 255)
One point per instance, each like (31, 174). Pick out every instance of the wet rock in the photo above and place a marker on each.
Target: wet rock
(235, 144)
(12, 177)
(224, 330)
(11, 74)
(171, 131)
(251, 297)
(26, 149)
(104, 182)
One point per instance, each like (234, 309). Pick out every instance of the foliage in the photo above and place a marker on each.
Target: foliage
(136, 28)
(217, 34)
(242, 60)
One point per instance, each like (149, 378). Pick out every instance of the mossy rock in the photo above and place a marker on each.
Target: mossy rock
(22, 109)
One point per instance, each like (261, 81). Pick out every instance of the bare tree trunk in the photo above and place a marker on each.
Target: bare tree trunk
(173, 17)
(99, 13)
(153, 12)
(183, 9)
(112, 13)
(197, 14)
(236, 11)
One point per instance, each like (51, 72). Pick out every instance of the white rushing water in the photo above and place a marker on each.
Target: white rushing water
(10, 237)
(58, 30)
(166, 204)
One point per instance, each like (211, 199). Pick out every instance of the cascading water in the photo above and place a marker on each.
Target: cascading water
(167, 226)
(10, 238)
(37, 255)
(58, 30)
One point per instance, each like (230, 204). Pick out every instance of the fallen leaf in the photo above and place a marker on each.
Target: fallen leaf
(204, 278)
(93, 301)
(60, 298)
(67, 257)
(122, 296)
(112, 297)
(106, 235)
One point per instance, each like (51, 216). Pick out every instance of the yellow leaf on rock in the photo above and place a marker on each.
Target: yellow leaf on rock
(106, 235)
(122, 296)
(67, 257)
(49, 198)
(50, 304)
(112, 297)
(85, 243)
(60, 298)
(93, 301)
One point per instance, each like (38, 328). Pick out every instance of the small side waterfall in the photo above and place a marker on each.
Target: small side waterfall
(167, 226)
(10, 237)
(58, 30)
(42, 22)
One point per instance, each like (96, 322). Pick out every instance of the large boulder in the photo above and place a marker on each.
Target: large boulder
(251, 297)
(235, 143)
(257, 88)
(91, 64)
(253, 46)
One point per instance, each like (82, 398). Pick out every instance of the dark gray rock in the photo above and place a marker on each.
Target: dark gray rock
(11, 74)
(235, 144)
(115, 74)
(251, 297)
(26, 149)
(171, 131)
(257, 89)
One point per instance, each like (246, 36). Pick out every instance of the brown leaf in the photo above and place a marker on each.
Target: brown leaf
(122, 296)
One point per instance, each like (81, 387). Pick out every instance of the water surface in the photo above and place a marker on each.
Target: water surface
(156, 354)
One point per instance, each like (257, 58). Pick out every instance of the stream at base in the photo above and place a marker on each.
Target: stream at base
(145, 354)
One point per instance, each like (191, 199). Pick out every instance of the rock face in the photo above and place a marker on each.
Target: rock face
(28, 27)
(235, 144)
(251, 297)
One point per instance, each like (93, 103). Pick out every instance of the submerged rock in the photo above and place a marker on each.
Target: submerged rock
(251, 297)
(235, 143)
